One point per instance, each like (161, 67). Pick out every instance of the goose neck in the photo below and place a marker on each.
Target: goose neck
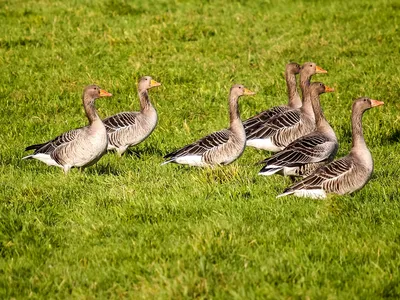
(144, 100)
(294, 98)
(234, 115)
(307, 107)
(90, 110)
(305, 79)
(318, 113)
(357, 130)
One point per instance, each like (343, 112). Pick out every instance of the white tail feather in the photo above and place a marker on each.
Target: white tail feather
(313, 194)
(270, 170)
(263, 144)
(44, 158)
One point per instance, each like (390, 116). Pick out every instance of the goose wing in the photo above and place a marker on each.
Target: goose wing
(254, 123)
(285, 120)
(119, 121)
(203, 145)
(50, 146)
(329, 177)
(311, 148)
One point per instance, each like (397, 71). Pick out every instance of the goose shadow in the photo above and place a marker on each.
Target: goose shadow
(101, 169)
(394, 137)
(138, 152)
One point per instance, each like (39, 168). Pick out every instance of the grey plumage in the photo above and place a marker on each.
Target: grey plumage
(131, 128)
(253, 124)
(347, 174)
(308, 152)
(79, 147)
(278, 131)
(221, 147)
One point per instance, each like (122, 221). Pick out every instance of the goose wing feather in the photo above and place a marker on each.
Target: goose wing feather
(254, 123)
(119, 121)
(280, 122)
(50, 146)
(311, 148)
(203, 145)
(329, 177)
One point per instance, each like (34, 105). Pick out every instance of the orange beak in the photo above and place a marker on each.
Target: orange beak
(154, 83)
(376, 103)
(247, 92)
(329, 89)
(104, 93)
(319, 70)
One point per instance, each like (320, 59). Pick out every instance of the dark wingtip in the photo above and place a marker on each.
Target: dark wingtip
(170, 155)
(31, 147)
(260, 162)
(167, 156)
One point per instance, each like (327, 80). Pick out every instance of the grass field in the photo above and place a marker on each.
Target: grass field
(130, 228)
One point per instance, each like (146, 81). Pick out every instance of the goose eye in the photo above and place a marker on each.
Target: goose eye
(310, 65)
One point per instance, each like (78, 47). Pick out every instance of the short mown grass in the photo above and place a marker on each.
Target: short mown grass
(130, 228)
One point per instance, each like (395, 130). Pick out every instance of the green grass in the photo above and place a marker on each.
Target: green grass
(130, 228)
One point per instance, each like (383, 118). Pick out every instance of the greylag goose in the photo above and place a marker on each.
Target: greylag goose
(80, 147)
(221, 147)
(280, 130)
(253, 124)
(347, 174)
(131, 128)
(304, 155)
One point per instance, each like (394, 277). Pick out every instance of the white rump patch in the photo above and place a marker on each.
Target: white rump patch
(290, 171)
(270, 170)
(313, 194)
(111, 147)
(264, 144)
(45, 158)
(191, 160)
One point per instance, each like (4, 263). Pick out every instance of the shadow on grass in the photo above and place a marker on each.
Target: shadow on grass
(394, 137)
(138, 152)
(107, 169)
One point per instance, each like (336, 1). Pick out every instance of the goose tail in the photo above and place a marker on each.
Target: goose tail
(269, 170)
(167, 162)
(285, 193)
(34, 147)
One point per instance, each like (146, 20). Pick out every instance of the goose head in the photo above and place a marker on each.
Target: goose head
(238, 90)
(318, 88)
(293, 68)
(365, 103)
(310, 68)
(93, 92)
(146, 83)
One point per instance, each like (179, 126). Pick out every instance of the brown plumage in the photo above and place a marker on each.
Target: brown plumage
(294, 101)
(131, 128)
(275, 133)
(221, 147)
(347, 174)
(79, 147)
(304, 155)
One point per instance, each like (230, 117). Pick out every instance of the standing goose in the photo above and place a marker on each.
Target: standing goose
(79, 147)
(253, 124)
(221, 147)
(347, 174)
(131, 128)
(304, 155)
(279, 131)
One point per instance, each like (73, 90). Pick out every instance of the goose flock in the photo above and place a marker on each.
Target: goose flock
(304, 143)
